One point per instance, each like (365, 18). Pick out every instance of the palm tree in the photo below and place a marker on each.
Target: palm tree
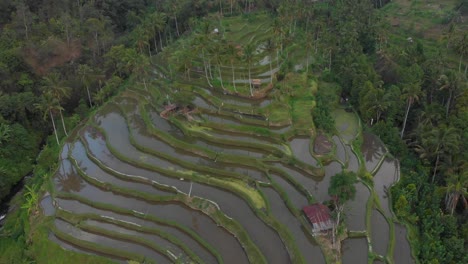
(456, 187)
(47, 105)
(248, 57)
(461, 47)
(140, 66)
(437, 142)
(5, 133)
(86, 73)
(157, 23)
(233, 54)
(218, 52)
(411, 92)
(452, 82)
(270, 47)
(54, 86)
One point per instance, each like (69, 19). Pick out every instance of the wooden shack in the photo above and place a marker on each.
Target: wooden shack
(319, 216)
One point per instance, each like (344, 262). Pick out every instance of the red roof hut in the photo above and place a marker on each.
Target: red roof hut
(319, 216)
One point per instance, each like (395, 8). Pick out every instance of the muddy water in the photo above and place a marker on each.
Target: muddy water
(94, 171)
(310, 251)
(155, 239)
(80, 208)
(263, 236)
(354, 251)
(380, 233)
(373, 150)
(383, 179)
(301, 149)
(297, 199)
(109, 242)
(402, 250)
(356, 209)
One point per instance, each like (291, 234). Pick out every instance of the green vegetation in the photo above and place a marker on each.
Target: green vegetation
(218, 89)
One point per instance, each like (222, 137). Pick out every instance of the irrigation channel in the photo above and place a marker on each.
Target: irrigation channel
(140, 186)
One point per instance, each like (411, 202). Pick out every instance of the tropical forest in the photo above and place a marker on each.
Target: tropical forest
(234, 131)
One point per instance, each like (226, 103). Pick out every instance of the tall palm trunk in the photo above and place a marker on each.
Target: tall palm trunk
(220, 77)
(53, 125)
(406, 118)
(89, 96)
(250, 82)
(206, 70)
(271, 71)
(176, 25)
(435, 168)
(448, 103)
(63, 123)
(160, 40)
(233, 77)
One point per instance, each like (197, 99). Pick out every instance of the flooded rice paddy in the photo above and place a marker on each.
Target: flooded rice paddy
(138, 184)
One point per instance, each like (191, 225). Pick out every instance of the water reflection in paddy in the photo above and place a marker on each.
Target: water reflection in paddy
(221, 235)
(383, 179)
(402, 250)
(65, 245)
(340, 153)
(353, 163)
(354, 251)
(116, 130)
(373, 150)
(47, 206)
(301, 149)
(94, 171)
(356, 209)
(298, 199)
(263, 236)
(162, 243)
(109, 242)
(99, 150)
(380, 233)
(310, 251)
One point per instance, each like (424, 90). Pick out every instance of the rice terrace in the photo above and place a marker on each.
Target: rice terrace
(209, 169)
(213, 131)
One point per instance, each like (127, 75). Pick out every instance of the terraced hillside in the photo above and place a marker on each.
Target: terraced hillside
(188, 173)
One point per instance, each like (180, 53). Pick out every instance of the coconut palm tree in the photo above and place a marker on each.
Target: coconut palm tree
(270, 47)
(54, 86)
(233, 54)
(461, 47)
(411, 92)
(86, 75)
(437, 142)
(47, 105)
(456, 186)
(452, 82)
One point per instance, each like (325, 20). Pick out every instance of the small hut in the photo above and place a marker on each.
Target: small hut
(256, 83)
(319, 216)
